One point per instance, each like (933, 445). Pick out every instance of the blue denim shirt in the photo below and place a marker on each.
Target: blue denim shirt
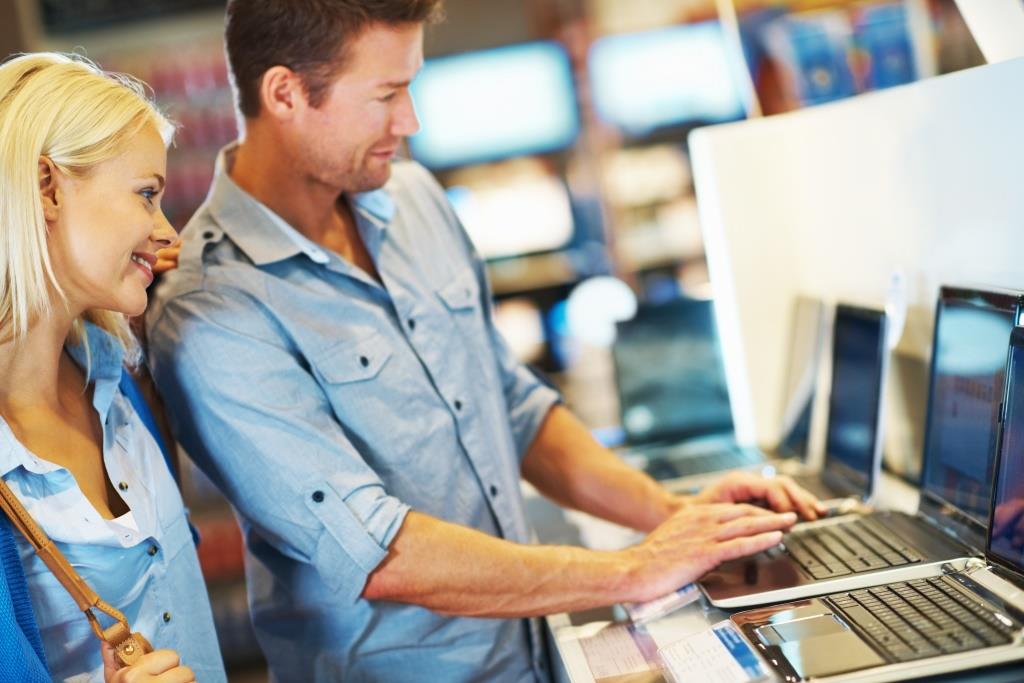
(144, 564)
(326, 405)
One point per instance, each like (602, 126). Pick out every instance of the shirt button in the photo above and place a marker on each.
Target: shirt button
(123, 485)
(318, 496)
(167, 617)
(208, 235)
(152, 550)
(412, 324)
(494, 490)
(458, 404)
(364, 361)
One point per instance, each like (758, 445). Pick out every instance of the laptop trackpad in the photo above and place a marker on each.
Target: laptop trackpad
(820, 646)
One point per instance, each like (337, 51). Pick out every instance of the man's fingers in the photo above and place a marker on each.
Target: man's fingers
(730, 511)
(747, 545)
(779, 499)
(751, 526)
(805, 502)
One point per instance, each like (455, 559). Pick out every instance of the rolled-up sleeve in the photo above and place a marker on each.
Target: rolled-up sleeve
(248, 411)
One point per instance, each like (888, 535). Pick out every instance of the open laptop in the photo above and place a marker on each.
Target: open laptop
(858, 551)
(960, 616)
(853, 442)
(673, 396)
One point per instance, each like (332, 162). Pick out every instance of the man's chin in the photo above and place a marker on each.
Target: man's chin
(372, 179)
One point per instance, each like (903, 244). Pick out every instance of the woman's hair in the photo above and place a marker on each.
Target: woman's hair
(67, 109)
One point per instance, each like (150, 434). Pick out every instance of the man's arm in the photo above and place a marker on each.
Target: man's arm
(565, 463)
(455, 570)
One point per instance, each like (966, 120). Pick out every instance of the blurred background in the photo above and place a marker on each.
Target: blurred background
(559, 129)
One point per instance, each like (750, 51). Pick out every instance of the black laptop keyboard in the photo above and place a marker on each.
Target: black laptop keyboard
(669, 463)
(857, 546)
(922, 618)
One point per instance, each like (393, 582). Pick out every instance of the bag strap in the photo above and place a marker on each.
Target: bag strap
(128, 646)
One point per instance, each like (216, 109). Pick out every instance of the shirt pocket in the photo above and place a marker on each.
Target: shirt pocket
(352, 361)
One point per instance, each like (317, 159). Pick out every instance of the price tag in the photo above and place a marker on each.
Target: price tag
(640, 612)
(716, 655)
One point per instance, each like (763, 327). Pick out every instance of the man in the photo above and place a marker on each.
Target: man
(327, 351)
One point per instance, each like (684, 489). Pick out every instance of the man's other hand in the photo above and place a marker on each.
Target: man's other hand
(780, 493)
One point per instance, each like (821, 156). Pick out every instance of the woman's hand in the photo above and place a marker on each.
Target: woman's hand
(162, 666)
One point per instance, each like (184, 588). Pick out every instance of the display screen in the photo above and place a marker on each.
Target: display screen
(670, 375)
(667, 77)
(858, 354)
(1006, 538)
(968, 368)
(494, 104)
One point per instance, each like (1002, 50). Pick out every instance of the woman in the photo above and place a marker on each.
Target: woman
(83, 159)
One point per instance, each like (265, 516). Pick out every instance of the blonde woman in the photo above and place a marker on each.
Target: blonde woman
(82, 163)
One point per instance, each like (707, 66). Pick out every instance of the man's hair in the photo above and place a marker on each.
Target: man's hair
(310, 37)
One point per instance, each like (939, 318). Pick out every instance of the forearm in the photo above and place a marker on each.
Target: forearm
(566, 464)
(455, 570)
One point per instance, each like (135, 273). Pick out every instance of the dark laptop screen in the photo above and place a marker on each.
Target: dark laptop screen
(858, 352)
(968, 366)
(1006, 539)
(669, 373)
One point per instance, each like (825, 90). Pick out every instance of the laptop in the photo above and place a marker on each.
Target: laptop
(674, 399)
(863, 550)
(853, 441)
(960, 616)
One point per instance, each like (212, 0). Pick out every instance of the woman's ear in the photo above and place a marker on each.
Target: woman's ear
(48, 191)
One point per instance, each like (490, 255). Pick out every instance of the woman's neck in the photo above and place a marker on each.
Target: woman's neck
(31, 366)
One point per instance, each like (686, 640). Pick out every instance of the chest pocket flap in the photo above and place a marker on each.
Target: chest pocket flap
(352, 361)
(460, 293)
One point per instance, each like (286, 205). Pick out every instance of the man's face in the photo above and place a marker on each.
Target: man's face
(348, 141)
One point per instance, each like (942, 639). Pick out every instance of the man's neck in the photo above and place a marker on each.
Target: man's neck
(320, 213)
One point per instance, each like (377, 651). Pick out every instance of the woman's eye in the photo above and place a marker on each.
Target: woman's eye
(148, 193)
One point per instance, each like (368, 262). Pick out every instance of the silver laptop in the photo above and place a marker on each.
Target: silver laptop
(858, 551)
(960, 616)
(853, 442)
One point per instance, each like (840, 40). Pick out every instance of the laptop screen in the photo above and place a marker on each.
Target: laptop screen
(858, 354)
(669, 373)
(1006, 537)
(968, 367)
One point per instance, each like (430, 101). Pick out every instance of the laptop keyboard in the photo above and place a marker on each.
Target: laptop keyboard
(922, 618)
(664, 464)
(857, 546)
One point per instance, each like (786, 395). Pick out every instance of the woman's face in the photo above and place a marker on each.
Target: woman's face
(106, 227)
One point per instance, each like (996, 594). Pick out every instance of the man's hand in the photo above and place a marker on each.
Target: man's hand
(162, 666)
(781, 493)
(167, 258)
(695, 540)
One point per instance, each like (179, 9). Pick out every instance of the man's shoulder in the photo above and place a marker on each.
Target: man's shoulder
(210, 269)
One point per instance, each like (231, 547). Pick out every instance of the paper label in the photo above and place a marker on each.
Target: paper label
(645, 611)
(717, 655)
(620, 650)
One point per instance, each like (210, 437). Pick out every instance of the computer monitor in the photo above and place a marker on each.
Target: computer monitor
(855, 401)
(642, 82)
(669, 373)
(1006, 525)
(968, 369)
(494, 104)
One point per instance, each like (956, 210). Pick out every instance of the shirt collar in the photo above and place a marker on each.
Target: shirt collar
(264, 236)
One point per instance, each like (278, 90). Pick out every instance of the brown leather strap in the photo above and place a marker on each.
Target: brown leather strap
(127, 646)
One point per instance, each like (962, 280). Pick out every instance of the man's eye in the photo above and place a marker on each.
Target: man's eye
(387, 98)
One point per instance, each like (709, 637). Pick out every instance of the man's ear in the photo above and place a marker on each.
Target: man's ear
(281, 92)
(49, 193)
